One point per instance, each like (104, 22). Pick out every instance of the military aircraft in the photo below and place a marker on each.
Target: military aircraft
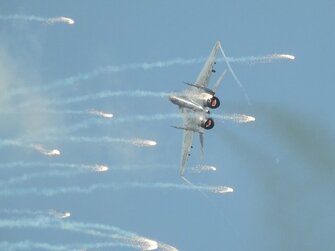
(194, 104)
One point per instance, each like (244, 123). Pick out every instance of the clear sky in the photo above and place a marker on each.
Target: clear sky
(281, 166)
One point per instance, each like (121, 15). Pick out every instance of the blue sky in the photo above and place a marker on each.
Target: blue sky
(281, 167)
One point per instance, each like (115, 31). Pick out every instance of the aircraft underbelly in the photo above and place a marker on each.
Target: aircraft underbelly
(185, 103)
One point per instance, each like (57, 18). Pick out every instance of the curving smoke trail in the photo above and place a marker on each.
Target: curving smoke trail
(75, 189)
(43, 150)
(37, 147)
(121, 238)
(46, 20)
(42, 222)
(30, 245)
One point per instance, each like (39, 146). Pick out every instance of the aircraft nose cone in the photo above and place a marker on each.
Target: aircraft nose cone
(173, 98)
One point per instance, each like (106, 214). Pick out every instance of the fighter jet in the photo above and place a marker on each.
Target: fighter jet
(195, 103)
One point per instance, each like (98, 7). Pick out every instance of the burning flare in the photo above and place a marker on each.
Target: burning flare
(222, 189)
(100, 168)
(284, 56)
(100, 113)
(143, 142)
(54, 20)
(59, 215)
(204, 168)
(144, 243)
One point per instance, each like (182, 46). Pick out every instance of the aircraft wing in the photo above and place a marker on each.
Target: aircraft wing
(206, 72)
(185, 150)
(189, 127)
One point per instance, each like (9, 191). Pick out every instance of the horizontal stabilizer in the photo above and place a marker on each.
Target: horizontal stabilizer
(185, 128)
(207, 90)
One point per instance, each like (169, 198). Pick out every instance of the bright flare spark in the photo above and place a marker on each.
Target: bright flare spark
(143, 142)
(204, 168)
(100, 168)
(66, 215)
(287, 56)
(67, 20)
(59, 215)
(145, 244)
(43, 150)
(222, 189)
(60, 20)
(100, 113)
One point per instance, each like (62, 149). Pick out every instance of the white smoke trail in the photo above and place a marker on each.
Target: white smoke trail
(237, 118)
(43, 150)
(259, 59)
(75, 189)
(88, 97)
(123, 238)
(85, 168)
(37, 147)
(22, 211)
(110, 94)
(132, 239)
(30, 245)
(79, 169)
(51, 212)
(135, 142)
(42, 222)
(135, 118)
(52, 20)
(147, 66)
(95, 167)
(30, 176)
